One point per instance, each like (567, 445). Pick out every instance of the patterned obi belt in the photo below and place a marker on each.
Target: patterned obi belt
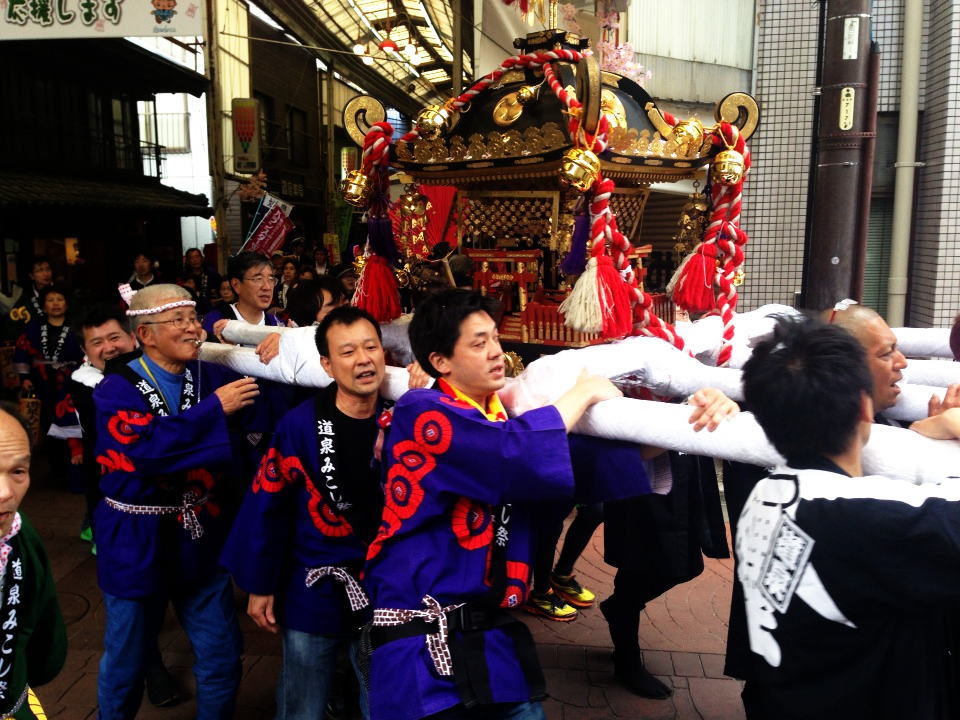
(186, 510)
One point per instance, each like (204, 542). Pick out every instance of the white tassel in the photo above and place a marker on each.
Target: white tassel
(679, 271)
(581, 310)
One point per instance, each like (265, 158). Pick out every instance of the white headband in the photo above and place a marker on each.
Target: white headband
(162, 308)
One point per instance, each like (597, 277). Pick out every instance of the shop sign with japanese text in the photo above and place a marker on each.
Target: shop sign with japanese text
(58, 19)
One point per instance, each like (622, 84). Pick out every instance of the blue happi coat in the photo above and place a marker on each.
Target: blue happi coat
(148, 459)
(448, 468)
(286, 526)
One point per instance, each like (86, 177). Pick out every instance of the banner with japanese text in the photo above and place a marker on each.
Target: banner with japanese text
(59, 19)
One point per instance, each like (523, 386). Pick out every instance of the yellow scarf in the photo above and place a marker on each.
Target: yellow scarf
(494, 412)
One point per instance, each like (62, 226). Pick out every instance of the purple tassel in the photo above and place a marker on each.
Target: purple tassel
(380, 234)
(576, 260)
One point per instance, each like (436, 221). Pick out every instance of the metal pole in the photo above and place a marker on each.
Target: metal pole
(866, 185)
(332, 160)
(906, 163)
(215, 138)
(841, 129)
(456, 70)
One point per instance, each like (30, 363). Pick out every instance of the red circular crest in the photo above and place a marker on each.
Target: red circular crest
(323, 516)
(472, 524)
(268, 477)
(122, 425)
(414, 458)
(433, 431)
(402, 492)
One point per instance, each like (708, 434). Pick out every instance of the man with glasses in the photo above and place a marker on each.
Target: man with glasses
(253, 280)
(162, 442)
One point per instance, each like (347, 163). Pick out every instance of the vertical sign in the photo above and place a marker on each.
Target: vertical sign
(246, 135)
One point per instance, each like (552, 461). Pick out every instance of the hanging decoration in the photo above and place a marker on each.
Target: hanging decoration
(607, 297)
(708, 278)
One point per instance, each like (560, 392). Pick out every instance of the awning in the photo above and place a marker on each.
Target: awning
(23, 190)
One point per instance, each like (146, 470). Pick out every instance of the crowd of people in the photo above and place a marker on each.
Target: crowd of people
(397, 539)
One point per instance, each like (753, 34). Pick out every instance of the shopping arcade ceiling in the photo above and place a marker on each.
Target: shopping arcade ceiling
(427, 24)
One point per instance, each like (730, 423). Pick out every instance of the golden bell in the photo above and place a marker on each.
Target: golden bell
(688, 135)
(432, 121)
(356, 188)
(579, 168)
(739, 277)
(412, 204)
(728, 167)
(527, 94)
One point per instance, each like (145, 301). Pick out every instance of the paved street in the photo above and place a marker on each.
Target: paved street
(683, 636)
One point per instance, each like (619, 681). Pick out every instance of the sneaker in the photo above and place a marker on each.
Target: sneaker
(567, 587)
(87, 534)
(551, 606)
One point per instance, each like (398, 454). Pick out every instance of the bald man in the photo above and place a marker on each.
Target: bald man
(162, 443)
(885, 361)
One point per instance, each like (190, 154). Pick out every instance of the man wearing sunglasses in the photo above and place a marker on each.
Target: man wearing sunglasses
(162, 443)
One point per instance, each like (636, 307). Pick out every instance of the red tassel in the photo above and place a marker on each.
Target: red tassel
(377, 290)
(614, 296)
(694, 291)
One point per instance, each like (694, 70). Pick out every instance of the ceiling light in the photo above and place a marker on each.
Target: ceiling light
(410, 50)
(367, 60)
(359, 48)
(388, 45)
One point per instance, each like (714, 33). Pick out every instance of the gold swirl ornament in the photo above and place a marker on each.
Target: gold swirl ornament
(359, 115)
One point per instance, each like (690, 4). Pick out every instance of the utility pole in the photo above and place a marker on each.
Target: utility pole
(843, 127)
(215, 137)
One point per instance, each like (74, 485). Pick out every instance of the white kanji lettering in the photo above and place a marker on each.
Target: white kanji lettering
(188, 388)
(187, 375)
(502, 536)
(327, 466)
(13, 598)
(3, 689)
(326, 446)
(5, 667)
(11, 622)
(18, 569)
(324, 427)
(144, 387)
(789, 547)
(6, 641)
(777, 580)
(155, 402)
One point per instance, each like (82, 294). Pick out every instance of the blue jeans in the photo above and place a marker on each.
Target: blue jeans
(307, 672)
(206, 613)
(499, 711)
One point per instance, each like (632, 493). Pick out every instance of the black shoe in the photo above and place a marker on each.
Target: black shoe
(162, 689)
(635, 677)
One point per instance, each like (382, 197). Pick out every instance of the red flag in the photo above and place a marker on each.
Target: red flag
(270, 233)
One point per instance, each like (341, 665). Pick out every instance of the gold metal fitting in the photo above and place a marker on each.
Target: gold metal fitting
(728, 167)
(688, 135)
(358, 262)
(579, 168)
(412, 203)
(356, 188)
(433, 120)
(527, 94)
(513, 364)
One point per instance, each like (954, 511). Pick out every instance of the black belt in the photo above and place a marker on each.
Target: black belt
(467, 625)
